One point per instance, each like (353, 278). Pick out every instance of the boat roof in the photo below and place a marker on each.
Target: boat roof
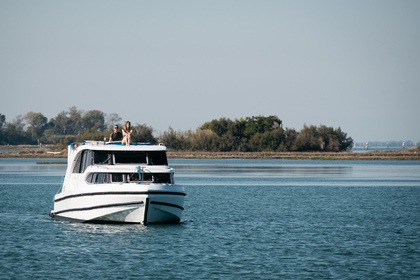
(117, 146)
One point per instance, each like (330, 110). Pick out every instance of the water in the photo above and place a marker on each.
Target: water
(243, 219)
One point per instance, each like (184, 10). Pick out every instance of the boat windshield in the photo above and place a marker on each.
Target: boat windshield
(90, 157)
(127, 157)
(105, 178)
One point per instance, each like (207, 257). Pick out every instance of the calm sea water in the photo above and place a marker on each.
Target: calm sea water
(243, 219)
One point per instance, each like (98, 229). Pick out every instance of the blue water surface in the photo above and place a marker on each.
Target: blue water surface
(243, 219)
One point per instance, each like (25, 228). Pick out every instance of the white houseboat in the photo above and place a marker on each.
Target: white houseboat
(111, 182)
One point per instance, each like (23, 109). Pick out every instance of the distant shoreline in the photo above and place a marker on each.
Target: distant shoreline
(50, 151)
(374, 155)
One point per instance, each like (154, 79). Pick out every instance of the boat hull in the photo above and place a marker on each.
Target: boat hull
(157, 203)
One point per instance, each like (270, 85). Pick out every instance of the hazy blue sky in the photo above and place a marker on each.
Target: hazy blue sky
(353, 64)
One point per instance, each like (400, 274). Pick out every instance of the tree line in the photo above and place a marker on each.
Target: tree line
(256, 133)
(73, 125)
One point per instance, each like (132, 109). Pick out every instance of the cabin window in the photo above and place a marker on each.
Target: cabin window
(164, 178)
(157, 158)
(134, 177)
(99, 178)
(137, 157)
(105, 178)
(102, 157)
(117, 177)
(84, 160)
(77, 163)
(130, 157)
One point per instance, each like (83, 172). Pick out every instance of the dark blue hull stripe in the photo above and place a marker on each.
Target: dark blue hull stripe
(98, 207)
(120, 193)
(117, 205)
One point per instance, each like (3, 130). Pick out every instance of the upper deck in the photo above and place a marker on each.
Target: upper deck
(117, 145)
(111, 153)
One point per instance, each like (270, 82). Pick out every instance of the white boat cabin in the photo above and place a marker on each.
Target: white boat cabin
(115, 163)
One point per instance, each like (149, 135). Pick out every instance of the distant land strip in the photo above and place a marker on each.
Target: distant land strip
(373, 155)
(49, 151)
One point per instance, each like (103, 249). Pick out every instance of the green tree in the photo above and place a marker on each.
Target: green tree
(75, 121)
(226, 143)
(2, 126)
(67, 122)
(91, 134)
(2, 121)
(61, 124)
(328, 139)
(308, 139)
(143, 134)
(176, 140)
(93, 119)
(260, 124)
(288, 144)
(346, 143)
(36, 125)
(65, 127)
(113, 119)
(267, 141)
(15, 133)
(246, 134)
(220, 126)
(322, 138)
(204, 140)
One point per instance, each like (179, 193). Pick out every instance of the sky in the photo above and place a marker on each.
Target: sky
(179, 64)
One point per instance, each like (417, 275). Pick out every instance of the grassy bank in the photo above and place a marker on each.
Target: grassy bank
(33, 151)
(387, 155)
(50, 151)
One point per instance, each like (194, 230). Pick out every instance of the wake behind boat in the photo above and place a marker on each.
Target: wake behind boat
(111, 182)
